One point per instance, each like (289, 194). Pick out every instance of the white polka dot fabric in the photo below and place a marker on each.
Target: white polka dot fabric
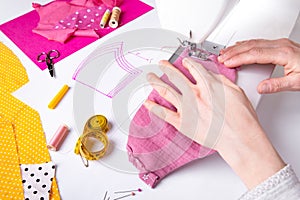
(87, 18)
(37, 180)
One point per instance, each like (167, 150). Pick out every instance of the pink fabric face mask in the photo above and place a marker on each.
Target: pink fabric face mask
(155, 147)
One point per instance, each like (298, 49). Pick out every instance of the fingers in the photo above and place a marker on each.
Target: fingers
(243, 46)
(195, 69)
(275, 85)
(257, 55)
(282, 52)
(255, 51)
(163, 89)
(165, 114)
(175, 76)
(200, 73)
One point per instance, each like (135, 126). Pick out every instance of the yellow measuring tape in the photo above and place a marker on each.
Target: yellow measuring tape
(97, 122)
(95, 128)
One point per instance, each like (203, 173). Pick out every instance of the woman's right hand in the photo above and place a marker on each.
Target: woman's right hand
(216, 113)
(283, 52)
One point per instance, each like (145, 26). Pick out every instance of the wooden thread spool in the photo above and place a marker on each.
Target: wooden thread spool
(114, 18)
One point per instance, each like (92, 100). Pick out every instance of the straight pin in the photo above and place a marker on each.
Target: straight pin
(132, 194)
(138, 190)
(105, 195)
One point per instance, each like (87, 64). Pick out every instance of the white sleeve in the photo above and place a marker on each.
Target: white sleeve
(284, 185)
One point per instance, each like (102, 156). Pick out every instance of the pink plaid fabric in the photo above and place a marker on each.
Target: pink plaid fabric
(155, 147)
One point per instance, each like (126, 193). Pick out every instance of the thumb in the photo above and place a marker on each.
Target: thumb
(273, 85)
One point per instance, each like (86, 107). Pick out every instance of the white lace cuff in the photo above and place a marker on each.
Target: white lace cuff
(282, 185)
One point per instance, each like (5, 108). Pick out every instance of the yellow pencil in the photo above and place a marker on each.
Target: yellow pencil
(58, 97)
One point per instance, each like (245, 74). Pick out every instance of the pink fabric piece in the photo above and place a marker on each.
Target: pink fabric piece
(87, 18)
(19, 30)
(155, 147)
(112, 3)
(59, 20)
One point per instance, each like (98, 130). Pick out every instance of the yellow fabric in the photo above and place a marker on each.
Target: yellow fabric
(22, 139)
(10, 181)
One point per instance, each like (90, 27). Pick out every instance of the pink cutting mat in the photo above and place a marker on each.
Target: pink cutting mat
(19, 30)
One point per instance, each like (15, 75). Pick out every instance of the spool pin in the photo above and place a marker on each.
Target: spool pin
(114, 18)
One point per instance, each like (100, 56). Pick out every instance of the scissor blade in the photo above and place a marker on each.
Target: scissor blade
(51, 72)
(50, 66)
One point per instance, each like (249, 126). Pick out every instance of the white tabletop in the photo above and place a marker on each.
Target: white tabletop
(210, 178)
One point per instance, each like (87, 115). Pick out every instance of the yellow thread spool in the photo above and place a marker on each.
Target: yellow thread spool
(104, 18)
(58, 97)
(114, 18)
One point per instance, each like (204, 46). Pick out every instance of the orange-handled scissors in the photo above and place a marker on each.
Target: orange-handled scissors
(48, 58)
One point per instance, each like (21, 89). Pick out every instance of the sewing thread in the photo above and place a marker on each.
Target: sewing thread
(114, 18)
(104, 18)
(58, 137)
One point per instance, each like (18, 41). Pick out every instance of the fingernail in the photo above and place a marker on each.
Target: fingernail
(228, 62)
(265, 88)
(220, 58)
(187, 62)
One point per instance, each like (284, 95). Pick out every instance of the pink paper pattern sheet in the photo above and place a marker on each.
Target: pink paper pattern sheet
(155, 147)
(20, 31)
